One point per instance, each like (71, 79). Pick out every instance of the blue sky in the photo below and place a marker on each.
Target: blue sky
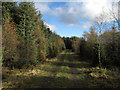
(70, 18)
(62, 29)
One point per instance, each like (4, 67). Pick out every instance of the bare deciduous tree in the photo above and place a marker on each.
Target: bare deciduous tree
(100, 25)
(114, 13)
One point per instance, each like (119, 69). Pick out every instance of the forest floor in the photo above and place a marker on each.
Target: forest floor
(67, 70)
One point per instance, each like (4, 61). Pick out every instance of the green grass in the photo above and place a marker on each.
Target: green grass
(64, 71)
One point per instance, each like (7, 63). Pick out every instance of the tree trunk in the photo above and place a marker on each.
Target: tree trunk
(99, 51)
(100, 65)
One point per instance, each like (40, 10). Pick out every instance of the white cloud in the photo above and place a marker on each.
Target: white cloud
(84, 26)
(43, 7)
(94, 8)
(73, 12)
(52, 27)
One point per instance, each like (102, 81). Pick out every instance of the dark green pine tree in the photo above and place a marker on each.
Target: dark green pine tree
(26, 28)
(8, 7)
(114, 46)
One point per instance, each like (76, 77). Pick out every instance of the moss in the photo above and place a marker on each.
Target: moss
(64, 69)
(60, 74)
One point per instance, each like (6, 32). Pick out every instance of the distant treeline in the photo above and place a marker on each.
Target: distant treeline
(87, 47)
(25, 39)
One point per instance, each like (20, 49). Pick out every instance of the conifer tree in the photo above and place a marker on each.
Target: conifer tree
(26, 29)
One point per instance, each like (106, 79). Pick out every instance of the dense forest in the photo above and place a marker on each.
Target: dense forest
(27, 42)
(88, 45)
